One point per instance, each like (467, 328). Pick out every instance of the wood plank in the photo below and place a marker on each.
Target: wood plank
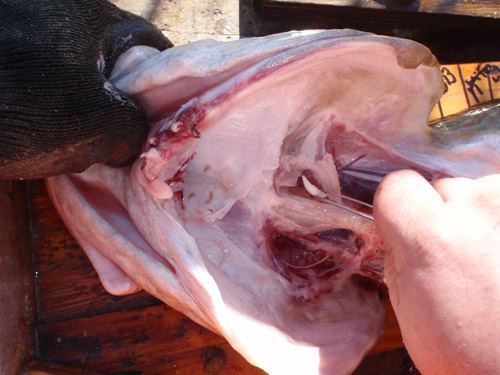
(153, 340)
(483, 8)
(17, 333)
(454, 38)
(40, 367)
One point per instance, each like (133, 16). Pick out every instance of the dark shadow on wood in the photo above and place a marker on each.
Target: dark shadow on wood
(395, 362)
(17, 334)
(452, 38)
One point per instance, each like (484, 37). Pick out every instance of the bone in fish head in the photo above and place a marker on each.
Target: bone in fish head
(215, 216)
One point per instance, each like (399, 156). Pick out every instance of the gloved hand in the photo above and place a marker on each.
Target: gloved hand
(58, 113)
(443, 269)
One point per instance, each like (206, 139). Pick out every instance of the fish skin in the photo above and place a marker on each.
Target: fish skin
(157, 231)
(476, 121)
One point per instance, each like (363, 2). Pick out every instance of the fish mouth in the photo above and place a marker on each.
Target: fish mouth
(329, 138)
(219, 217)
(216, 216)
(312, 251)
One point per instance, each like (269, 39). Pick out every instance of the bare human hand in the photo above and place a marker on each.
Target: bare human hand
(442, 269)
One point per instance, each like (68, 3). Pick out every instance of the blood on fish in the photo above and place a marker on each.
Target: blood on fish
(314, 256)
(178, 177)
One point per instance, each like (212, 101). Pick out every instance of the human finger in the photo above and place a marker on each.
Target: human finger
(493, 179)
(452, 187)
(402, 199)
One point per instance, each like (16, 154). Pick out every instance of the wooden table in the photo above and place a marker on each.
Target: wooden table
(80, 329)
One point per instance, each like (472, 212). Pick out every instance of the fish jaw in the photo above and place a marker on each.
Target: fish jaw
(236, 244)
(305, 121)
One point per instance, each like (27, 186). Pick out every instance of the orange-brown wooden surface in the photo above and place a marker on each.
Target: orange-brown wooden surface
(41, 367)
(466, 86)
(17, 296)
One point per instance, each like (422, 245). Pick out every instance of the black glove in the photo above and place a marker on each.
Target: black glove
(58, 113)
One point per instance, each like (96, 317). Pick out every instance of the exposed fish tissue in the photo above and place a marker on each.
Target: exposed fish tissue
(218, 216)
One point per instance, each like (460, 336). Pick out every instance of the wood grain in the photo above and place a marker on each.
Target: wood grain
(41, 367)
(17, 318)
(452, 33)
(153, 340)
(483, 8)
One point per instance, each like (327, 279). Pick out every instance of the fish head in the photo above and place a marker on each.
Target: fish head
(218, 216)
(333, 107)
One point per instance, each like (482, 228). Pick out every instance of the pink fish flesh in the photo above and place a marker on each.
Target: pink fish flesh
(216, 218)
